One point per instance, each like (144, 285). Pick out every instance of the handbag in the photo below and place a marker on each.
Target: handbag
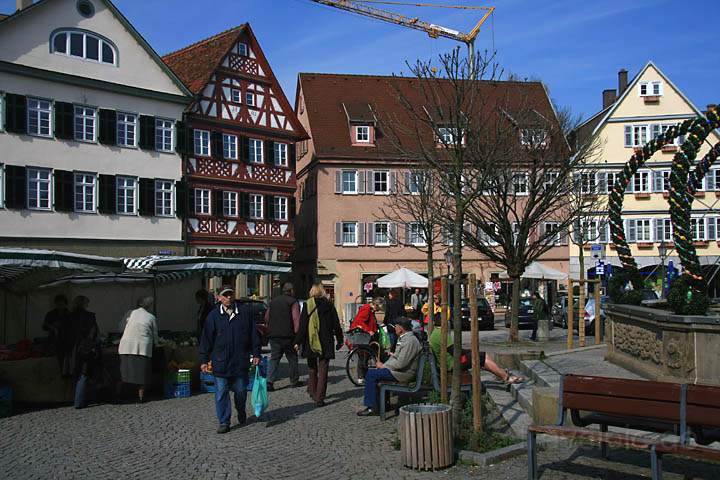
(259, 396)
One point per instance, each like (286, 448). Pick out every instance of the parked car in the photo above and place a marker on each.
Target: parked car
(486, 317)
(559, 313)
(526, 317)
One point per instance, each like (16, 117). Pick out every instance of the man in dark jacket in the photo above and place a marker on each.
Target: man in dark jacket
(393, 310)
(283, 322)
(228, 340)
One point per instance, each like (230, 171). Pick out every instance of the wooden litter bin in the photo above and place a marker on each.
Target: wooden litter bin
(426, 440)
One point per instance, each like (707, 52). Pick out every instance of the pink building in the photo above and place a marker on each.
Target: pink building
(346, 174)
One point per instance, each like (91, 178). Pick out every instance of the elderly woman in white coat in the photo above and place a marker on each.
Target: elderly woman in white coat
(136, 346)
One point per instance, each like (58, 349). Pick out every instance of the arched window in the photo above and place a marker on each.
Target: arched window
(83, 44)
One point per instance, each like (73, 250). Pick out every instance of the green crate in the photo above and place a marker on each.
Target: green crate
(178, 376)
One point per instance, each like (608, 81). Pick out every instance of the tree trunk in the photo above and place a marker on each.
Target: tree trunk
(581, 300)
(514, 309)
(430, 292)
(456, 397)
(475, 352)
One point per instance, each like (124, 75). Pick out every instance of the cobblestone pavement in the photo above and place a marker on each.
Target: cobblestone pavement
(176, 439)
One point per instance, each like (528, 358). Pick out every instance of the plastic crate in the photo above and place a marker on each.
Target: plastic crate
(207, 382)
(178, 376)
(5, 400)
(177, 390)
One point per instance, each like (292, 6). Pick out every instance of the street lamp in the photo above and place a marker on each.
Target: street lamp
(662, 250)
(448, 259)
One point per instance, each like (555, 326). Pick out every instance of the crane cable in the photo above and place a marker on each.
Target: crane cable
(411, 4)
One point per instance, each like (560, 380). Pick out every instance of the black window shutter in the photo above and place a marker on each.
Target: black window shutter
(147, 197)
(216, 147)
(147, 132)
(291, 208)
(15, 186)
(291, 156)
(64, 188)
(270, 207)
(181, 199)
(191, 200)
(15, 113)
(107, 200)
(269, 151)
(180, 137)
(245, 205)
(64, 120)
(244, 149)
(217, 203)
(108, 127)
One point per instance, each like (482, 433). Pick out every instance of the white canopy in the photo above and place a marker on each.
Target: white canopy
(541, 272)
(404, 278)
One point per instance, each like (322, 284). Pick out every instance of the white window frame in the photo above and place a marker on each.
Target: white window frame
(362, 134)
(37, 176)
(280, 209)
(251, 99)
(164, 193)
(355, 180)
(520, 192)
(638, 178)
(667, 230)
(377, 233)
(644, 225)
(665, 180)
(230, 203)
(549, 179)
(243, 49)
(164, 134)
(650, 88)
(639, 135)
(533, 137)
(230, 146)
(235, 95)
(124, 129)
(202, 201)
(256, 155)
(608, 182)
(280, 154)
(698, 225)
(101, 43)
(588, 183)
(84, 192)
(85, 125)
(256, 205)
(416, 235)
(201, 142)
(556, 239)
(121, 195)
(448, 136)
(414, 180)
(377, 182)
(346, 240)
(41, 111)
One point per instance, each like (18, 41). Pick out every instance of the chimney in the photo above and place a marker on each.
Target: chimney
(622, 81)
(609, 97)
(710, 106)
(23, 4)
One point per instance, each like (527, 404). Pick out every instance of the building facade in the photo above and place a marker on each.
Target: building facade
(88, 115)
(240, 159)
(631, 115)
(348, 172)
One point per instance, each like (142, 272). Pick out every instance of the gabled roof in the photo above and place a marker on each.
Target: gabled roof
(128, 26)
(196, 63)
(326, 95)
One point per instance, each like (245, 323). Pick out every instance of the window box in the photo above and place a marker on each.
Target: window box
(717, 194)
(651, 99)
(612, 246)
(699, 194)
(701, 243)
(669, 148)
(588, 246)
(644, 245)
(637, 149)
(642, 196)
(666, 194)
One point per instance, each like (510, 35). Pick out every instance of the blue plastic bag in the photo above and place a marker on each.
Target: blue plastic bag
(259, 395)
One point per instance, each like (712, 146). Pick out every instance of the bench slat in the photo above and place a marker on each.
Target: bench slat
(703, 395)
(622, 406)
(704, 453)
(628, 441)
(703, 416)
(622, 387)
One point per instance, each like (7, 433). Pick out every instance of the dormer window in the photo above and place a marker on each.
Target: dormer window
(651, 89)
(83, 44)
(361, 120)
(448, 136)
(362, 134)
(243, 49)
(533, 137)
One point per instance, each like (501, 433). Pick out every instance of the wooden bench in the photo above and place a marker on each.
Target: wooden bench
(637, 404)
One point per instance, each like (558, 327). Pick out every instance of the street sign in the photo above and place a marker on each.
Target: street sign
(600, 268)
(598, 251)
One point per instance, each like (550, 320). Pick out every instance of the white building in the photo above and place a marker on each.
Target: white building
(89, 127)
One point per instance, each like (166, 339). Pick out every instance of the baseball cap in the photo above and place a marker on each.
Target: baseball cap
(226, 289)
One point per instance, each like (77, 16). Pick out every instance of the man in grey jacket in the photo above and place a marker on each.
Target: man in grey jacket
(400, 367)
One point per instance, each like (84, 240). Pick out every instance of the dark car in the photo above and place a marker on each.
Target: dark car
(486, 317)
(526, 317)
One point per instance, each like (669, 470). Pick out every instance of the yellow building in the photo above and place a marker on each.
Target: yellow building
(632, 115)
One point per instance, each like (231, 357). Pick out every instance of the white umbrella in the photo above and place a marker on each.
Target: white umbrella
(404, 278)
(539, 271)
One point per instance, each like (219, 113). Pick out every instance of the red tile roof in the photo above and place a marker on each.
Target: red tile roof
(325, 94)
(195, 64)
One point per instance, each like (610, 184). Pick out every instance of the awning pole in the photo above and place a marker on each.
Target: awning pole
(26, 313)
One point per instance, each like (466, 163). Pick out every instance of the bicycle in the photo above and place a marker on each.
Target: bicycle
(365, 349)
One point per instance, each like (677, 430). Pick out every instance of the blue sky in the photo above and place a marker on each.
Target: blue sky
(575, 46)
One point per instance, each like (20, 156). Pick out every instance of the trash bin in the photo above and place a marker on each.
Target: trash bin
(426, 440)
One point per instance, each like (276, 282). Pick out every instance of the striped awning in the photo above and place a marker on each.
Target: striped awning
(207, 266)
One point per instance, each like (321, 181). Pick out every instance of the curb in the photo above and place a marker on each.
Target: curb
(494, 456)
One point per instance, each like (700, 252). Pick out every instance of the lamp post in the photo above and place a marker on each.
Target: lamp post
(662, 250)
(448, 260)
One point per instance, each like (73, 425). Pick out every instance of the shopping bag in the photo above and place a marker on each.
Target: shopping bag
(259, 395)
(384, 338)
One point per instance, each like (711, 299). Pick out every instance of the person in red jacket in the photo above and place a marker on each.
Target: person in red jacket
(365, 318)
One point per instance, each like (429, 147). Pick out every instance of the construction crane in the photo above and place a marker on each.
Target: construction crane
(360, 7)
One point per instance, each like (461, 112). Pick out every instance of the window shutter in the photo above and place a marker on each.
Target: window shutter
(406, 236)
(147, 197)
(406, 183)
(270, 204)
(630, 231)
(64, 183)
(269, 152)
(631, 185)
(601, 182)
(292, 208)
(654, 130)
(711, 228)
(371, 233)
(292, 151)
(361, 176)
(108, 127)
(710, 180)
(191, 201)
(64, 119)
(577, 235)
(657, 176)
(245, 205)
(147, 132)
(217, 204)
(370, 176)
(659, 229)
(16, 185)
(361, 233)
(338, 181)
(577, 179)
(392, 178)
(181, 138)
(628, 136)
(16, 114)
(244, 149)
(181, 199)
(216, 145)
(107, 200)
(393, 233)
(338, 233)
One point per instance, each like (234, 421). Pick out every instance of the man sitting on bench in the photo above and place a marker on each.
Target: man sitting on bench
(400, 367)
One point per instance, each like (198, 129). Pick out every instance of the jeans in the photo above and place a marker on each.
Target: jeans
(223, 409)
(373, 376)
(80, 391)
(317, 377)
(278, 347)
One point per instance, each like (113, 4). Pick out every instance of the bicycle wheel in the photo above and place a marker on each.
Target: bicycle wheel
(358, 362)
